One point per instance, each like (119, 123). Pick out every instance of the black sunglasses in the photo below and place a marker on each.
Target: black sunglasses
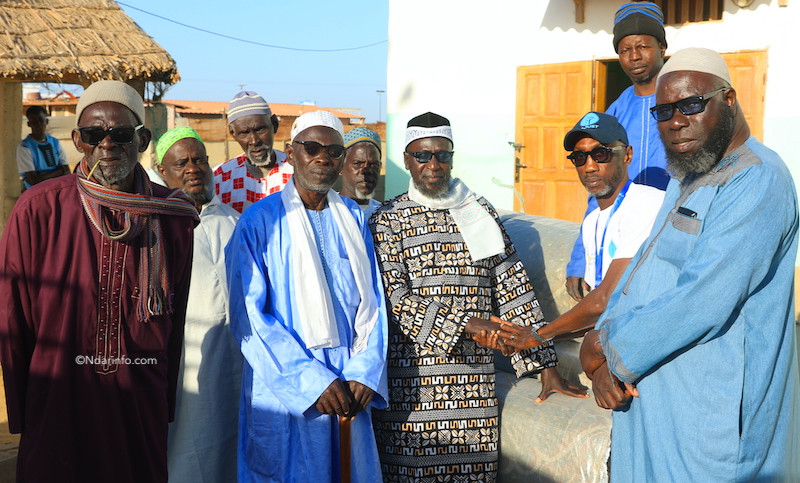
(689, 106)
(600, 154)
(335, 151)
(120, 135)
(444, 157)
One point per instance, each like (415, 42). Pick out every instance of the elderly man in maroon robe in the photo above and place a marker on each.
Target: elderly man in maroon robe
(94, 277)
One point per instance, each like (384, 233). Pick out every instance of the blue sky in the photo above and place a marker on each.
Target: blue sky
(212, 67)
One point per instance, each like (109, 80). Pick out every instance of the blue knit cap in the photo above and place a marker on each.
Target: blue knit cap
(639, 18)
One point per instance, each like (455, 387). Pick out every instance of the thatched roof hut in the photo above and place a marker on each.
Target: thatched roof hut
(77, 42)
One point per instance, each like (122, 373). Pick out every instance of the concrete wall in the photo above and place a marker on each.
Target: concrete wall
(459, 59)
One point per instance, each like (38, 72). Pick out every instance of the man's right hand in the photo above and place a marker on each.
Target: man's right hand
(609, 393)
(337, 399)
(577, 288)
(362, 395)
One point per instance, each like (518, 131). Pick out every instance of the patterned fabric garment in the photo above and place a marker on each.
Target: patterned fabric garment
(237, 188)
(442, 420)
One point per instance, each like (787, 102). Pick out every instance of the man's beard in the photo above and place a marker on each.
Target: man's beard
(643, 80)
(438, 191)
(204, 196)
(363, 196)
(207, 194)
(612, 183)
(114, 174)
(708, 155)
(304, 181)
(263, 161)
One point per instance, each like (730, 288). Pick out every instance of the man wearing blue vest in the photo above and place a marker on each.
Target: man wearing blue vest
(39, 155)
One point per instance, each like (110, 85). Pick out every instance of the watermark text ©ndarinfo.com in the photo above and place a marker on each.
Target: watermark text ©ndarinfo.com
(123, 360)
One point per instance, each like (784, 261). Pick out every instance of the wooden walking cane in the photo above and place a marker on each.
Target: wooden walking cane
(344, 449)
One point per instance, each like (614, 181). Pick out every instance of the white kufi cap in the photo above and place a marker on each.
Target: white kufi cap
(696, 59)
(317, 118)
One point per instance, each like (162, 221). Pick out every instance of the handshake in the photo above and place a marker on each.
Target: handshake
(509, 338)
(502, 335)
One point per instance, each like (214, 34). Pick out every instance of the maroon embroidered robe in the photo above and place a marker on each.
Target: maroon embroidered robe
(82, 421)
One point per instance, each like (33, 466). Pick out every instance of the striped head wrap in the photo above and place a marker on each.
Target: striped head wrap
(140, 220)
(639, 18)
(173, 136)
(247, 103)
(362, 134)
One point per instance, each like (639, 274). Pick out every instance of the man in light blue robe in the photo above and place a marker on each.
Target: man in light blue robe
(309, 313)
(701, 327)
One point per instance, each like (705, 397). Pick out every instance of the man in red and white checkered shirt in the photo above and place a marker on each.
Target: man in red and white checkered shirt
(260, 170)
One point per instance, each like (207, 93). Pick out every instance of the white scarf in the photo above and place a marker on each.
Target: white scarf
(318, 319)
(480, 230)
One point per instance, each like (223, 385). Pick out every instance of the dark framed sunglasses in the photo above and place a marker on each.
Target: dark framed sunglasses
(335, 151)
(688, 107)
(120, 135)
(600, 154)
(444, 157)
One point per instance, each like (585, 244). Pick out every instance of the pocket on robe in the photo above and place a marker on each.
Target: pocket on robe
(678, 239)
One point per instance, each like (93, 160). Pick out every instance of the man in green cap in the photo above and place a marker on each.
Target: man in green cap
(202, 439)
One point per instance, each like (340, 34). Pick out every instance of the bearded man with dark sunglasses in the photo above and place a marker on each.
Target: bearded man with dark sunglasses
(94, 278)
(307, 308)
(612, 232)
(701, 328)
(449, 270)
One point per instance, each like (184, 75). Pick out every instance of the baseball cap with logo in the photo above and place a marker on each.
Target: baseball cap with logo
(599, 126)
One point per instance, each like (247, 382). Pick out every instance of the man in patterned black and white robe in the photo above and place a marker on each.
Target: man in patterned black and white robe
(448, 267)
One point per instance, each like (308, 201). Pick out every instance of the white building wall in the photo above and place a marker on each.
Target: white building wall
(458, 58)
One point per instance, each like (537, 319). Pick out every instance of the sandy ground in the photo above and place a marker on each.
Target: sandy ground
(8, 442)
(5, 436)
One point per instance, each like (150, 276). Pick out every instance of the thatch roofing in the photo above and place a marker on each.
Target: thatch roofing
(77, 42)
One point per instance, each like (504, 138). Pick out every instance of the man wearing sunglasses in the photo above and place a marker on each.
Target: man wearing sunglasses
(702, 325)
(612, 233)
(640, 43)
(449, 270)
(260, 170)
(307, 308)
(94, 277)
